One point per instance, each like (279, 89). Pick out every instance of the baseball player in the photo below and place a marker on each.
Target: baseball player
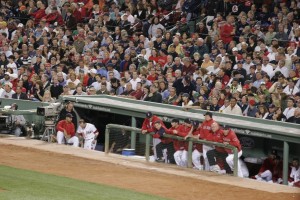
(197, 152)
(229, 138)
(266, 168)
(205, 132)
(166, 143)
(219, 153)
(89, 133)
(273, 175)
(66, 131)
(181, 147)
(294, 179)
(147, 127)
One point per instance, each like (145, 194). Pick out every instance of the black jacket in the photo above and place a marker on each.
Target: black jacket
(22, 96)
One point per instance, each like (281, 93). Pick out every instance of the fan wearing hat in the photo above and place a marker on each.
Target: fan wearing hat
(181, 154)
(8, 91)
(148, 127)
(166, 143)
(229, 138)
(252, 109)
(272, 110)
(66, 131)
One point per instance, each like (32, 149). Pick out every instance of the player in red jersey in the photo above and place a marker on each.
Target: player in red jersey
(205, 132)
(229, 138)
(181, 147)
(195, 132)
(148, 127)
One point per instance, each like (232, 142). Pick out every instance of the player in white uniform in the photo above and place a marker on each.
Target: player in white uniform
(295, 174)
(89, 133)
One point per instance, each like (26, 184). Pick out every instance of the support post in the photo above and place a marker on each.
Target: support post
(285, 162)
(147, 150)
(235, 160)
(106, 147)
(133, 133)
(190, 149)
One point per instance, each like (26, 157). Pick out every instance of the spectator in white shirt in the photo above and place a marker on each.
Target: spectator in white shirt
(135, 79)
(291, 89)
(282, 68)
(233, 108)
(12, 64)
(8, 92)
(289, 111)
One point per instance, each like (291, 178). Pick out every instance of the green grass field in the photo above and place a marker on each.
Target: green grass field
(17, 184)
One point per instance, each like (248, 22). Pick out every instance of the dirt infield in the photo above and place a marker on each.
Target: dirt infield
(116, 171)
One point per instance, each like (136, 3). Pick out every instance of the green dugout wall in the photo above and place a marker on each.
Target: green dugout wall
(258, 136)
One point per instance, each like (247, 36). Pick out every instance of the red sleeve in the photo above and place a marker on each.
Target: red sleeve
(182, 132)
(50, 17)
(234, 141)
(144, 126)
(266, 165)
(60, 125)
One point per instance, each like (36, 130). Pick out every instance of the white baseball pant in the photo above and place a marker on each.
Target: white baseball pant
(180, 158)
(265, 176)
(244, 169)
(88, 144)
(196, 159)
(61, 137)
(205, 149)
(230, 162)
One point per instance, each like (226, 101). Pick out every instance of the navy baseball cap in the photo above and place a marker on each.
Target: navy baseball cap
(149, 114)
(195, 123)
(225, 127)
(208, 113)
(175, 120)
(69, 115)
(188, 121)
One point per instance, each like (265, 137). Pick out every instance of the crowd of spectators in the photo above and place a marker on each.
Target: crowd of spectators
(232, 56)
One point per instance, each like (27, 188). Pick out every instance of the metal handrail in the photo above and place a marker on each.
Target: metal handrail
(189, 140)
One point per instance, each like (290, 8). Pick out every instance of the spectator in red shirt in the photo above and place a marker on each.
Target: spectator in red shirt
(227, 31)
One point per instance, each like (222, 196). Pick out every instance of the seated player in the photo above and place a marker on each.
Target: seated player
(294, 179)
(218, 155)
(266, 168)
(273, 175)
(229, 138)
(66, 131)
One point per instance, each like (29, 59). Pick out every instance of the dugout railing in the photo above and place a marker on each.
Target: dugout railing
(148, 136)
